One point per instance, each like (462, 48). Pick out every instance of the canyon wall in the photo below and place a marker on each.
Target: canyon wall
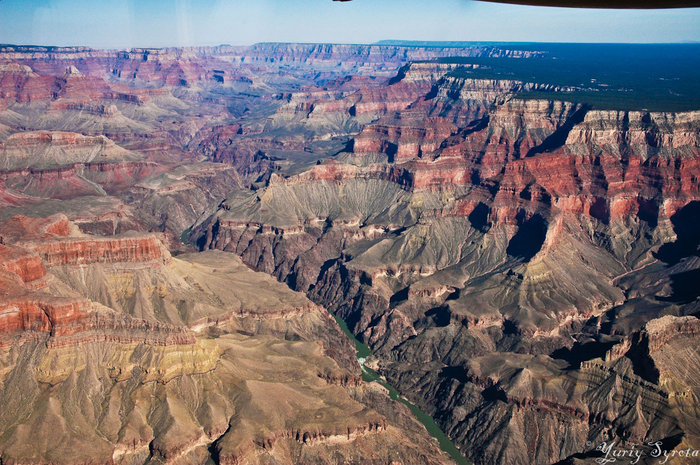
(119, 322)
(470, 230)
(522, 263)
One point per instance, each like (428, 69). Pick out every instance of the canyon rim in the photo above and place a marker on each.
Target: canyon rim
(404, 252)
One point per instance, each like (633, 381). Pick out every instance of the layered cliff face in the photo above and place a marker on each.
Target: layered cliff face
(363, 58)
(339, 107)
(522, 266)
(78, 123)
(107, 155)
(37, 149)
(490, 249)
(189, 360)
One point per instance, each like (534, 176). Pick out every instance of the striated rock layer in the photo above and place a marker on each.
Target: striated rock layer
(524, 268)
(191, 361)
(491, 250)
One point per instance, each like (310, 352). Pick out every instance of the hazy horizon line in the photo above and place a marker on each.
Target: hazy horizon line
(380, 43)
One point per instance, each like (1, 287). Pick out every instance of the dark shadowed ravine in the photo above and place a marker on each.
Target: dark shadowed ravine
(362, 353)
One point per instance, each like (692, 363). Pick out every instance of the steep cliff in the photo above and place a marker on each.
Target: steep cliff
(522, 262)
(475, 224)
(187, 358)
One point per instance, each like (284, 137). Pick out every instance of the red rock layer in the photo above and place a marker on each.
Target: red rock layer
(26, 265)
(49, 314)
(25, 228)
(73, 321)
(28, 314)
(77, 74)
(404, 142)
(78, 179)
(602, 167)
(98, 250)
(19, 83)
(28, 140)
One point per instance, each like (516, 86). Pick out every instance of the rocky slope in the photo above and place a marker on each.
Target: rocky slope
(78, 123)
(471, 231)
(523, 266)
(186, 360)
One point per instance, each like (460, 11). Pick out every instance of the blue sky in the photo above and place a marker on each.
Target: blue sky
(156, 23)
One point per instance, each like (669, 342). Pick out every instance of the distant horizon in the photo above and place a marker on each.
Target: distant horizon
(380, 43)
(103, 24)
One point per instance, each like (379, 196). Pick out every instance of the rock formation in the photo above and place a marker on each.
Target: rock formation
(472, 223)
(188, 358)
(522, 262)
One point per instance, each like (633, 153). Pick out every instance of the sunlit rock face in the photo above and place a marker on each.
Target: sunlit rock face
(524, 268)
(176, 350)
(472, 231)
(118, 344)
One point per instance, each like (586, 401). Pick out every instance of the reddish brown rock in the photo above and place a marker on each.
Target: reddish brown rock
(28, 314)
(85, 251)
(26, 265)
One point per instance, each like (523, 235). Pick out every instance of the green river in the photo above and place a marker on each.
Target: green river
(363, 351)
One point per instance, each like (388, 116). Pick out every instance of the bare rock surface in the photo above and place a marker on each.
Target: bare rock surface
(113, 351)
(524, 267)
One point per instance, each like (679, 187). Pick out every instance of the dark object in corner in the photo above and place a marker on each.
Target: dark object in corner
(612, 4)
(630, 4)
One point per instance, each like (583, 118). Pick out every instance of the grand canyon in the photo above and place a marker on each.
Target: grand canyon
(195, 242)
